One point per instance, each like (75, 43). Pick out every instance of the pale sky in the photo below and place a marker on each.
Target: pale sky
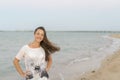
(60, 14)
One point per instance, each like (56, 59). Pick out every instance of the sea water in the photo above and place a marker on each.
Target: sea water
(80, 52)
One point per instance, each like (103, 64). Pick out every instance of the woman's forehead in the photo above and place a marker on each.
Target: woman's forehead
(40, 31)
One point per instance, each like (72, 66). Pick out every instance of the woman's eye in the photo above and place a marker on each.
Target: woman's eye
(37, 33)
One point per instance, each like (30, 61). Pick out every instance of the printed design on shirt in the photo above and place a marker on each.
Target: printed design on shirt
(34, 66)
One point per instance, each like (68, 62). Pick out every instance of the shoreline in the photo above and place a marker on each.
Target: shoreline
(109, 69)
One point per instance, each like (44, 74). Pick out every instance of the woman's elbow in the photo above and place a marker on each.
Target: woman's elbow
(15, 61)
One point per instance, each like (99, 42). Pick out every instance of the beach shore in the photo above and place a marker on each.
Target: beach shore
(109, 70)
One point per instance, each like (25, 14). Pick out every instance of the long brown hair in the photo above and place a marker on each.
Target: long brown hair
(46, 44)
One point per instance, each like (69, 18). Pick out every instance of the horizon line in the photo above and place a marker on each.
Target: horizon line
(61, 30)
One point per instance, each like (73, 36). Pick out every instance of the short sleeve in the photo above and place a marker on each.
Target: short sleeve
(21, 53)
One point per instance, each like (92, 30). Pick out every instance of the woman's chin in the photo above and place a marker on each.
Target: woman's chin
(38, 41)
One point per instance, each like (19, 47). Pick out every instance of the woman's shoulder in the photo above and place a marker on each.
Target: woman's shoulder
(25, 46)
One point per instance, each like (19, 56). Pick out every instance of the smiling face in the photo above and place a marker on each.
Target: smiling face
(39, 35)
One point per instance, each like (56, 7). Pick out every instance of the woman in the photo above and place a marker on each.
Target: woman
(37, 56)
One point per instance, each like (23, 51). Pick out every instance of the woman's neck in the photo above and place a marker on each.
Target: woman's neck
(35, 44)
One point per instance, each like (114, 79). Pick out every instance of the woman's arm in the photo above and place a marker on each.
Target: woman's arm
(49, 63)
(18, 68)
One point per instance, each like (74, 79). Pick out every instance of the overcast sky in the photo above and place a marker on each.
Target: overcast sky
(60, 14)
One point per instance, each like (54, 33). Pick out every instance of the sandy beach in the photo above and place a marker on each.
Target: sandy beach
(109, 69)
(115, 35)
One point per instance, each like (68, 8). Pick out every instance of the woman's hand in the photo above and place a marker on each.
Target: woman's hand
(28, 75)
(23, 75)
(47, 69)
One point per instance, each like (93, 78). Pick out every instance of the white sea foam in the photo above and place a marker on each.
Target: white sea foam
(78, 60)
(115, 45)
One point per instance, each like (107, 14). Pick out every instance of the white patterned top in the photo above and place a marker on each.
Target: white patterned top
(34, 59)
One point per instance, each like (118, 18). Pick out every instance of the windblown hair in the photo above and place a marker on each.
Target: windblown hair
(46, 44)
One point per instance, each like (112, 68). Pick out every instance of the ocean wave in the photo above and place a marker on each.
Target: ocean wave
(115, 45)
(78, 60)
